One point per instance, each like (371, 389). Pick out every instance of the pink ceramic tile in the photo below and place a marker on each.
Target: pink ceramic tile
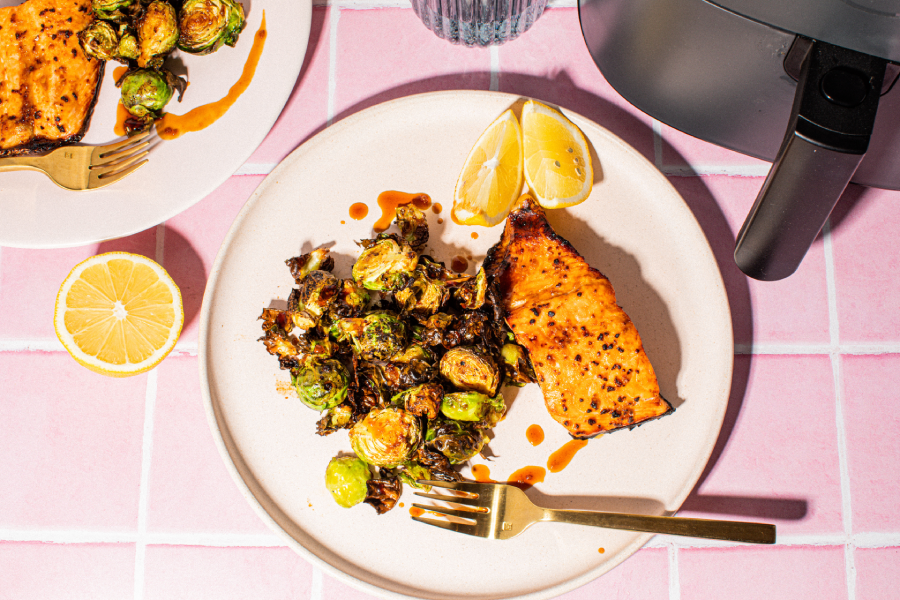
(70, 452)
(680, 150)
(30, 279)
(866, 260)
(791, 311)
(192, 240)
(777, 457)
(872, 412)
(388, 53)
(551, 62)
(306, 110)
(37, 571)
(877, 573)
(751, 573)
(190, 490)
(209, 573)
(643, 576)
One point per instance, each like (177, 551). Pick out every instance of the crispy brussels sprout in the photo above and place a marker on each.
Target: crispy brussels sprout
(378, 335)
(345, 478)
(99, 40)
(410, 472)
(128, 48)
(471, 293)
(114, 10)
(387, 437)
(338, 417)
(414, 352)
(422, 400)
(469, 368)
(413, 226)
(145, 92)
(471, 406)
(515, 360)
(207, 24)
(437, 464)
(456, 440)
(320, 383)
(385, 266)
(351, 300)
(383, 493)
(157, 32)
(317, 260)
(422, 296)
(317, 291)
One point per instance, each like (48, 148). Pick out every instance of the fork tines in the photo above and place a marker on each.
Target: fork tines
(119, 159)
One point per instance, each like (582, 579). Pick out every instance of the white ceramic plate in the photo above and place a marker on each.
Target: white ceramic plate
(634, 227)
(35, 213)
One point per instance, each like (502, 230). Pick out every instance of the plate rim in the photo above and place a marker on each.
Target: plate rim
(302, 27)
(211, 409)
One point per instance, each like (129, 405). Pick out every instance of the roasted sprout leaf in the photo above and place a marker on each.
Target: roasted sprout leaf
(317, 260)
(413, 225)
(383, 493)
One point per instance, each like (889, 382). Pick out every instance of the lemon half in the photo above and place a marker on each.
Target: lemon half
(118, 314)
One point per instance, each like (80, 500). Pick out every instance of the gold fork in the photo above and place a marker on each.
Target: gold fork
(85, 167)
(500, 511)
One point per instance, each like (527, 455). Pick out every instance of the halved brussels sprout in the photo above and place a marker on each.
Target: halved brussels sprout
(413, 225)
(317, 260)
(456, 440)
(518, 368)
(128, 49)
(378, 335)
(321, 383)
(351, 300)
(207, 24)
(414, 352)
(316, 293)
(422, 296)
(387, 437)
(345, 478)
(335, 418)
(385, 266)
(114, 10)
(145, 92)
(157, 32)
(472, 406)
(99, 40)
(422, 400)
(471, 293)
(470, 368)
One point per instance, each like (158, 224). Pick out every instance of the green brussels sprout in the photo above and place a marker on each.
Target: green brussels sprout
(422, 296)
(385, 266)
(423, 400)
(471, 406)
(518, 368)
(128, 48)
(456, 440)
(317, 260)
(378, 335)
(114, 10)
(413, 225)
(469, 368)
(321, 383)
(157, 32)
(316, 293)
(410, 472)
(207, 24)
(386, 437)
(471, 294)
(99, 40)
(345, 478)
(414, 352)
(145, 92)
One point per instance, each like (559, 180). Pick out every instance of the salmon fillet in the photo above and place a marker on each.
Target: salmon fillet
(586, 352)
(48, 87)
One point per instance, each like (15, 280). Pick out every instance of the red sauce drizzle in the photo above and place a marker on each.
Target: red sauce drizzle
(390, 200)
(560, 459)
(482, 474)
(459, 264)
(415, 511)
(437, 208)
(526, 477)
(474, 235)
(534, 434)
(358, 211)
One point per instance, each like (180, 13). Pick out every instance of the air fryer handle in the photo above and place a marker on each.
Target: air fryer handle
(827, 137)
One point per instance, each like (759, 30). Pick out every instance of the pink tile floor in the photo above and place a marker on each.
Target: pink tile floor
(114, 488)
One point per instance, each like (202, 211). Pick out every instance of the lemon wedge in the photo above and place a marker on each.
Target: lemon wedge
(118, 314)
(491, 179)
(557, 160)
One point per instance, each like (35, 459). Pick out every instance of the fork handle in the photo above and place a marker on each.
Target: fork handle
(17, 163)
(736, 531)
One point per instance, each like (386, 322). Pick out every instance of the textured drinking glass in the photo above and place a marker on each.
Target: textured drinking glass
(478, 22)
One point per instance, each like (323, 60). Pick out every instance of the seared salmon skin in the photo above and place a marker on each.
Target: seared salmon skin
(48, 86)
(586, 353)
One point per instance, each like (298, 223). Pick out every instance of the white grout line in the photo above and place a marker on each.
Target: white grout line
(335, 17)
(210, 540)
(316, 584)
(674, 573)
(144, 489)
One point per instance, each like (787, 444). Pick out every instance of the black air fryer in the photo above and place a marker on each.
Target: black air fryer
(806, 84)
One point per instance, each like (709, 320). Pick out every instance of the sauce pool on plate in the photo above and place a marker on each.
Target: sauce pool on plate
(391, 199)
(358, 211)
(560, 459)
(534, 434)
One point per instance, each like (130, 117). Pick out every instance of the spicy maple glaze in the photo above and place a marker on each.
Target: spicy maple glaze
(534, 434)
(172, 126)
(391, 199)
(560, 459)
(358, 211)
